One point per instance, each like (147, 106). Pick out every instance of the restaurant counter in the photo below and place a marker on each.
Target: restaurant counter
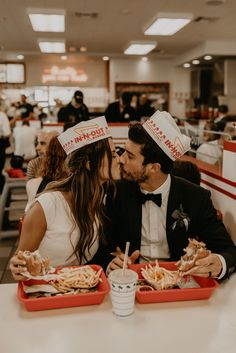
(206, 326)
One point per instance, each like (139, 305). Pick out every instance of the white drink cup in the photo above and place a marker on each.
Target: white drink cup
(123, 288)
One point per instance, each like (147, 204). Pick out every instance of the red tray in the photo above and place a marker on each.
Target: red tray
(65, 301)
(207, 286)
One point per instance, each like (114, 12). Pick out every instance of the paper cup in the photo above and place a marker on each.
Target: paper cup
(123, 288)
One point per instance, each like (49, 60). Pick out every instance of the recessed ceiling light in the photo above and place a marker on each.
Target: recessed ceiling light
(186, 65)
(168, 24)
(20, 57)
(64, 57)
(47, 20)
(51, 46)
(105, 58)
(140, 48)
(83, 49)
(196, 62)
(207, 57)
(144, 59)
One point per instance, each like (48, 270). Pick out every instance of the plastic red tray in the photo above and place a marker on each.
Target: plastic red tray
(65, 301)
(207, 286)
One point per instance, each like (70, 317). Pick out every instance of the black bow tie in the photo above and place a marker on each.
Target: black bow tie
(156, 198)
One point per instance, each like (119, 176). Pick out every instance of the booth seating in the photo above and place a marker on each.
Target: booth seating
(12, 205)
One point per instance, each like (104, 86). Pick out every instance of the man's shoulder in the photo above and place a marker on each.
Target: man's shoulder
(187, 186)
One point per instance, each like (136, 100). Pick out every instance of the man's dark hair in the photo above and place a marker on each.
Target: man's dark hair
(16, 161)
(149, 149)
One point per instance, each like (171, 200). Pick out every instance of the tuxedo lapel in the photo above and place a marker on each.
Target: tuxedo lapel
(177, 238)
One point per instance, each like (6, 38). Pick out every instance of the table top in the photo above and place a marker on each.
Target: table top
(206, 326)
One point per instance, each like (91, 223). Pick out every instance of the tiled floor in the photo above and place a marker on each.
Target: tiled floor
(7, 249)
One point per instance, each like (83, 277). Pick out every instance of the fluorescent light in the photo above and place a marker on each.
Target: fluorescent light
(105, 58)
(168, 24)
(47, 22)
(196, 62)
(140, 48)
(207, 57)
(186, 65)
(47, 46)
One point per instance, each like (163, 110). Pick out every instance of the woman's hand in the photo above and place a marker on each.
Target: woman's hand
(209, 266)
(118, 261)
(17, 267)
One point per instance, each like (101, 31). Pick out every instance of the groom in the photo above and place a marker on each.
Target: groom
(158, 212)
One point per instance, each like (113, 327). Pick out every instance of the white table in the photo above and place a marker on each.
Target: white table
(207, 326)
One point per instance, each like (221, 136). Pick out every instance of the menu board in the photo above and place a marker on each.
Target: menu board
(12, 73)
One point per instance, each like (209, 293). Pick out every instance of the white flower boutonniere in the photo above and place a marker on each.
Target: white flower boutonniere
(182, 220)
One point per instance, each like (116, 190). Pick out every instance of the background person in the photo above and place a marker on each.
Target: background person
(150, 204)
(43, 140)
(66, 221)
(75, 111)
(53, 168)
(24, 139)
(5, 133)
(121, 110)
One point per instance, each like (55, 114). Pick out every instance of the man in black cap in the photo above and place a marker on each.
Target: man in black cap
(75, 111)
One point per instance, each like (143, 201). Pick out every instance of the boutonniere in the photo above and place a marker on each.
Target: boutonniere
(182, 219)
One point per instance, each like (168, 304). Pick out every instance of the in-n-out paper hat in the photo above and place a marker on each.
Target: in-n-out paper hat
(164, 131)
(84, 133)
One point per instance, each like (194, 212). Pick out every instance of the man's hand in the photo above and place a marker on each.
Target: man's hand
(209, 266)
(118, 261)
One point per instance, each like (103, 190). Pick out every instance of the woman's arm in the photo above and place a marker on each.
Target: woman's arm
(33, 230)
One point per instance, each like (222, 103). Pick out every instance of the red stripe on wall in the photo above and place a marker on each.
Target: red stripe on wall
(222, 191)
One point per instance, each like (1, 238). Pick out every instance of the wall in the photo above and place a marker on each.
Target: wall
(128, 70)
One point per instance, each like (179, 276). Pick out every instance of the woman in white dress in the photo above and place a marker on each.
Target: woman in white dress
(66, 221)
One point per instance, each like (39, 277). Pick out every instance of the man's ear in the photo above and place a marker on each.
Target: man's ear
(154, 167)
(87, 165)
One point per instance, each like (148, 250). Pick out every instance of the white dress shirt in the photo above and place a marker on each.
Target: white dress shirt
(153, 241)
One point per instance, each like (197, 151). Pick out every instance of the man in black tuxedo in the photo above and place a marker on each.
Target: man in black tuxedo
(159, 226)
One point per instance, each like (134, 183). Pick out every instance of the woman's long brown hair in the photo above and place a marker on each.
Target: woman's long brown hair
(87, 192)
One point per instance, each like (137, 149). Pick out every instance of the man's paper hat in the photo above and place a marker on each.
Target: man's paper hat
(84, 133)
(164, 131)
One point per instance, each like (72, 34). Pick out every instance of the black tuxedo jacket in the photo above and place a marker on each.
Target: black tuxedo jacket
(124, 212)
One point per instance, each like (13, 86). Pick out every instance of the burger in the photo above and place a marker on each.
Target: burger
(35, 263)
(194, 251)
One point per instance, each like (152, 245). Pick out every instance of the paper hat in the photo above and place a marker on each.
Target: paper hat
(164, 131)
(84, 133)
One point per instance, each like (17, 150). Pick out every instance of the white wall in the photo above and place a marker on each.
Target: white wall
(127, 70)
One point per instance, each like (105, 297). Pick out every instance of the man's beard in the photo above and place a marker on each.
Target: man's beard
(138, 177)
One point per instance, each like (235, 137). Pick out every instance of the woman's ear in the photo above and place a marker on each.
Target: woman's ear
(87, 165)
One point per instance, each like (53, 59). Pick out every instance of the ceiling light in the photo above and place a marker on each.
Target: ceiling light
(186, 65)
(144, 59)
(49, 46)
(106, 58)
(64, 57)
(20, 57)
(47, 20)
(196, 62)
(168, 24)
(140, 48)
(83, 49)
(207, 57)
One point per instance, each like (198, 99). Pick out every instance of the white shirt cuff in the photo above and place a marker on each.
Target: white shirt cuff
(224, 267)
